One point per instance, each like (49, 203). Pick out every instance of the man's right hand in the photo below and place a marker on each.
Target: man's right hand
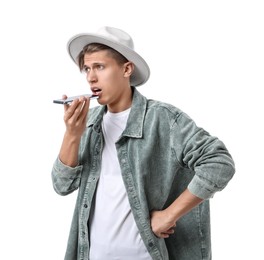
(75, 117)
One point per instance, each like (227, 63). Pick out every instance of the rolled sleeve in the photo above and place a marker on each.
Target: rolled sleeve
(214, 168)
(65, 179)
(207, 156)
(206, 188)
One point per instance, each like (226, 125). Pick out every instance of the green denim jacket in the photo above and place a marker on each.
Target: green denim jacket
(161, 153)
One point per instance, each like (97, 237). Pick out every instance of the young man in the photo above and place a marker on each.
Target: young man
(144, 170)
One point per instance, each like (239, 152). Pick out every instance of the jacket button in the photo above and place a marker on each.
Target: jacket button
(85, 205)
(151, 244)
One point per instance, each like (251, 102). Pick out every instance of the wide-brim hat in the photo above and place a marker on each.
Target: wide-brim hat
(119, 41)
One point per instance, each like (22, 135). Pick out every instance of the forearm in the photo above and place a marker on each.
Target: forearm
(69, 150)
(164, 221)
(182, 205)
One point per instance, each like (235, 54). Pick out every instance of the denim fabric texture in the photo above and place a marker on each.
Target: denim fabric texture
(161, 153)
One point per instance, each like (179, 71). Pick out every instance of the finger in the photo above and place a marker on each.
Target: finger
(81, 108)
(163, 235)
(65, 106)
(70, 109)
(170, 231)
(84, 112)
(76, 106)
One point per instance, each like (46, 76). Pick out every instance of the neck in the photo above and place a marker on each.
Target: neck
(123, 104)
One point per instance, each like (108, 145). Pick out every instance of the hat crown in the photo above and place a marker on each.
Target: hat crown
(118, 40)
(116, 35)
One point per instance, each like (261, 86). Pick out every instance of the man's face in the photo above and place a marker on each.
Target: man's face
(107, 79)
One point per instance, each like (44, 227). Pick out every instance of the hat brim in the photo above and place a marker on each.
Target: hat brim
(141, 72)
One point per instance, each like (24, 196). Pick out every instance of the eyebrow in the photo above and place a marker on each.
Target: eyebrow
(94, 64)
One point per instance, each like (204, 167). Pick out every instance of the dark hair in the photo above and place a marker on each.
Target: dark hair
(95, 47)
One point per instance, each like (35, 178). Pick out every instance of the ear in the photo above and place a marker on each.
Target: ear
(128, 69)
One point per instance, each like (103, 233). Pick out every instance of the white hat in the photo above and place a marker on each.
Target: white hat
(119, 41)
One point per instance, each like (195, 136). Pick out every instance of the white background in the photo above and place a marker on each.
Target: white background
(206, 57)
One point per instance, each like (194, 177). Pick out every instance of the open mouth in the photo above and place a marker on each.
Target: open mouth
(96, 91)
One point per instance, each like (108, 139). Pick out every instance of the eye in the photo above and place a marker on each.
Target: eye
(100, 67)
(85, 69)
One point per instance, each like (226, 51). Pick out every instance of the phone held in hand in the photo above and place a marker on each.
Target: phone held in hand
(70, 99)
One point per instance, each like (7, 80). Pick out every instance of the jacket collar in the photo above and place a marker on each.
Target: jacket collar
(136, 117)
(134, 127)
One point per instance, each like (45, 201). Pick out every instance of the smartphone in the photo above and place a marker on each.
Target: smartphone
(70, 99)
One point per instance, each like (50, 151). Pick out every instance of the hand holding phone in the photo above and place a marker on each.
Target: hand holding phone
(70, 99)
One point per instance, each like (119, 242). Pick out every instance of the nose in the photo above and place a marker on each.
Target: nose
(91, 76)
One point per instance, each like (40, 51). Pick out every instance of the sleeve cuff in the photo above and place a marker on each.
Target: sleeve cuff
(66, 170)
(201, 188)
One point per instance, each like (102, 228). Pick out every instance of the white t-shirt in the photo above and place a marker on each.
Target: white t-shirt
(113, 231)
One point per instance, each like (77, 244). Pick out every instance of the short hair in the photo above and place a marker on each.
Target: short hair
(95, 47)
